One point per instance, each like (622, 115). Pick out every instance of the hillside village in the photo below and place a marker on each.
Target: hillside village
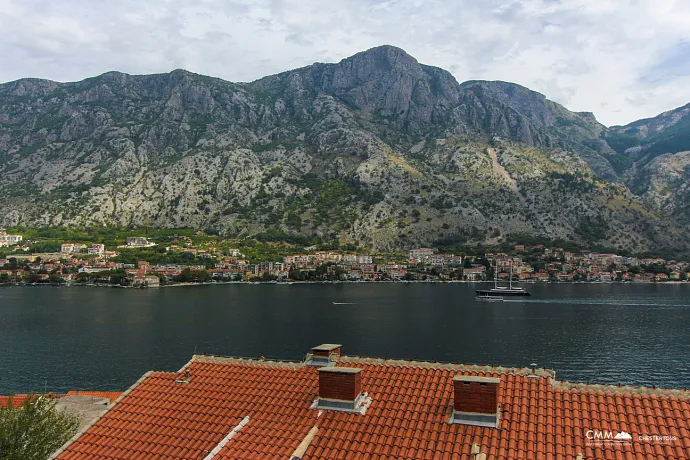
(181, 260)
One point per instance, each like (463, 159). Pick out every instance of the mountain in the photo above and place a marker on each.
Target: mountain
(655, 155)
(665, 133)
(377, 149)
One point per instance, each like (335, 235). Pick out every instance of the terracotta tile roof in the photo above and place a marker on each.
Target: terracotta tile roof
(112, 395)
(255, 409)
(17, 400)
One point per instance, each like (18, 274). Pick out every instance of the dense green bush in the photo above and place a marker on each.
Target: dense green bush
(34, 430)
(192, 276)
(158, 255)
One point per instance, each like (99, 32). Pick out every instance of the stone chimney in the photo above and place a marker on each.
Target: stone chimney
(475, 400)
(340, 388)
(324, 354)
(341, 383)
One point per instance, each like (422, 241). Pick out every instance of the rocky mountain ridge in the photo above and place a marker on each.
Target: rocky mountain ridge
(377, 149)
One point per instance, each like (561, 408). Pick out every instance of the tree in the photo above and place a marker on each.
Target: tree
(34, 430)
(340, 272)
(266, 276)
(56, 279)
(117, 277)
(12, 263)
(192, 276)
(33, 278)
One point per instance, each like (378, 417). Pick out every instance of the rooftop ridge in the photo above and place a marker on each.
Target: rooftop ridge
(601, 388)
(500, 370)
(541, 372)
(245, 361)
(191, 360)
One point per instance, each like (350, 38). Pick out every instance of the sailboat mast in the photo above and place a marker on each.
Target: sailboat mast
(510, 279)
(496, 275)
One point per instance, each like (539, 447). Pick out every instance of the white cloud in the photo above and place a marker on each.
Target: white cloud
(616, 58)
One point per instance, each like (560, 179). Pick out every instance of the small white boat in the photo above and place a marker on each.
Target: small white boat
(488, 298)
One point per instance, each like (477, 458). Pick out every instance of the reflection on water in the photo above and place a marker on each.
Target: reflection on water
(99, 338)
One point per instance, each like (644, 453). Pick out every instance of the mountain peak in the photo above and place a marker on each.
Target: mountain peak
(384, 58)
(389, 51)
(182, 72)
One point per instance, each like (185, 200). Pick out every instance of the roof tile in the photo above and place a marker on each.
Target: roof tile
(407, 419)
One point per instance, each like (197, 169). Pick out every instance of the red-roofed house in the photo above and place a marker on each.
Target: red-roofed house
(335, 407)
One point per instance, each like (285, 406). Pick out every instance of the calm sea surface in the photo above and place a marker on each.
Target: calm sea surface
(104, 339)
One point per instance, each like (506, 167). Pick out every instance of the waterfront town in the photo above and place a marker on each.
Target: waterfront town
(182, 259)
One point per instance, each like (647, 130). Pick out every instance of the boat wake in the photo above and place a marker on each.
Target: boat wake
(595, 302)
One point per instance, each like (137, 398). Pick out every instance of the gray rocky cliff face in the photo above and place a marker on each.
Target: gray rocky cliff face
(653, 154)
(377, 149)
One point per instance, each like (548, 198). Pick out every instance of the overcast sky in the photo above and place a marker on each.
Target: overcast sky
(621, 59)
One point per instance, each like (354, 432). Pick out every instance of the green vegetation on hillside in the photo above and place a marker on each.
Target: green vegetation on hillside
(110, 236)
(158, 255)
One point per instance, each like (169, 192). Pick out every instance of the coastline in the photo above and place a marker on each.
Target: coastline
(288, 283)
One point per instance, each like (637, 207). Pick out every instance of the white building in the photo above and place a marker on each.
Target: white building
(97, 249)
(94, 269)
(421, 253)
(139, 242)
(8, 240)
(71, 248)
(146, 281)
(362, 259)
(350, 258)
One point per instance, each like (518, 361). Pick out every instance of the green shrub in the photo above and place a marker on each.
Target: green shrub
(34, 430)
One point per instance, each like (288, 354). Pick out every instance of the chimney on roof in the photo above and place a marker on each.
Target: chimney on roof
(475, 400)
(340, 388)
(324, 354)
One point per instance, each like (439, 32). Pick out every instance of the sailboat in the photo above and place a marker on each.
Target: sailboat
(502, 291)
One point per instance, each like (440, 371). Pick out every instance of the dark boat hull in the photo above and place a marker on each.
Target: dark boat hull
(501, 293)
